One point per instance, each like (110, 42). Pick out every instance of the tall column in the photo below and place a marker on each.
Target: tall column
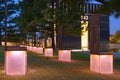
(101, 59)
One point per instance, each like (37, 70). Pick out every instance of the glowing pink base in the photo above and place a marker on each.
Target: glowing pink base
(34, 49)
(22, 45)
(48, 52)
(29, 48)
(64, 55)
(15, 62)
(39, 50)
(101, 63)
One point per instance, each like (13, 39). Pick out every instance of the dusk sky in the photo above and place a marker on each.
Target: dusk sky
(114, 23)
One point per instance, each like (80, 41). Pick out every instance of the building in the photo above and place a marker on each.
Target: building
(83, 41)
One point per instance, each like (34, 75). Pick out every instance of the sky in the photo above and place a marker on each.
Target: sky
(114, 23)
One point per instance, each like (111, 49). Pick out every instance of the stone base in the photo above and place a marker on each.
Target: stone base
(64, 55)
(101, 63)
(48, 52)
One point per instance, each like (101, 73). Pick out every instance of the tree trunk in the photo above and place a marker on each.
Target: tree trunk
(0, 41)
(53, 13)
(32, 41)
(45, 41)
(34, 36)
(53, 42)
(59, 37)
(0, 38)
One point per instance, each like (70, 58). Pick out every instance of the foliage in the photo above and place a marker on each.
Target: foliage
(41, 15)
(117, 36)
(31, 19)
(110, 7)
(11, 24)
(102, 1)
(67, 16)
(112, 40)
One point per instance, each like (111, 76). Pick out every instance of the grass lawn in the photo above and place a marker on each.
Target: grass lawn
(41, 68)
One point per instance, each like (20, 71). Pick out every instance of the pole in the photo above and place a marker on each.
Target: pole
(5, 23)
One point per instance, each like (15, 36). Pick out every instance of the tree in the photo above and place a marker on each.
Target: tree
(31, 16)
(41, 15)
(110, 7)
(117, 36)
(67, 16)
(102, 1)
(11, 10)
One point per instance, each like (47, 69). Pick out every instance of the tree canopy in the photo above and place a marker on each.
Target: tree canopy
(42, 15)
(67, 16)
(110, 7)
(117, 36)
(11, 24)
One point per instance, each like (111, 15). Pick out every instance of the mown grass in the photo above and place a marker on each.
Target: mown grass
(40, 67)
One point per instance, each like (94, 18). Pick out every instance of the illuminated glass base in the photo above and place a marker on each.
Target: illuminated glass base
(64, 55)
(48, 52)
(34, 49)
(39, 50)
(101, 63)
(22, 45)
(29, 48)
(15, 62)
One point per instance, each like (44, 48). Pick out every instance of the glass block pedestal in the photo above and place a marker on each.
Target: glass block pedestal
(48, 52)
(101, 63)
(15, 60)
(64, 55)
